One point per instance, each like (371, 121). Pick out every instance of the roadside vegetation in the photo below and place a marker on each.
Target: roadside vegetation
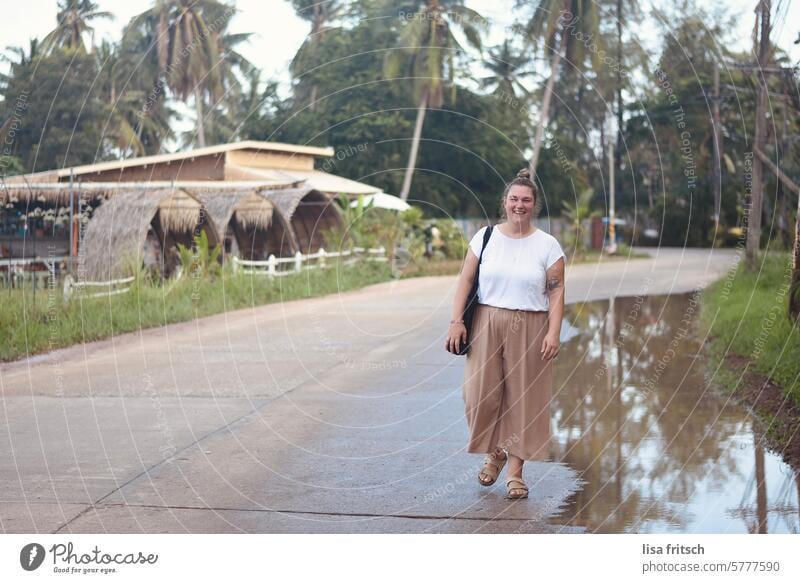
(746, 315)
(51, 322)
(754, 347)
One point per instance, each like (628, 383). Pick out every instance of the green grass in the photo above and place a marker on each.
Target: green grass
(746, 314)
(31, 327)
(34, 325)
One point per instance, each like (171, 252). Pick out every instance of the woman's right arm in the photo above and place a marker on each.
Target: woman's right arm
(457, 333)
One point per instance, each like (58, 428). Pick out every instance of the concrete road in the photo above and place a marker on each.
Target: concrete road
(337, 414)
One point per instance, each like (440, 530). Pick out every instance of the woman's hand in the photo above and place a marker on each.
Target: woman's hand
(456, 337)
(550, 346)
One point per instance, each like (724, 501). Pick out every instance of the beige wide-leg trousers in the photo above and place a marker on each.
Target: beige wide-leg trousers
(507, 384)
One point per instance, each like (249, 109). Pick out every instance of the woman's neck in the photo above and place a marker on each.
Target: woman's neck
(516, 230)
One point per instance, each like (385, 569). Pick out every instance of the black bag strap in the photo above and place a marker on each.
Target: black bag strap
(486, 235)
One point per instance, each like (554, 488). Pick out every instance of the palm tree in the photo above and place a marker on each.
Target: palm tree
(219, 16)
(137, 123)
(557, 24)
(320, 13)
(574, 214)
(507, 67)
(624, 10)
(22, 60)
(16, 67)
(231, 114)
(187, 50)
(426, 54)
(121, 104)
(137, 70)
(73, 18)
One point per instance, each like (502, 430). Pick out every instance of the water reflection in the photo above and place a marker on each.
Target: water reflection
(658, 450)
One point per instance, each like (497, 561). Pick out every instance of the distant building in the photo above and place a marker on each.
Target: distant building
(256, 198)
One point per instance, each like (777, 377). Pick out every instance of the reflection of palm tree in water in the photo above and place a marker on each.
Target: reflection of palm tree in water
(782, 507)
(755, 522)
(761, 485)
(666, 431)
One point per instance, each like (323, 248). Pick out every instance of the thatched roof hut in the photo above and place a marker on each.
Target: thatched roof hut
(310, 213)
(248, 223)
(130, 220)
(51, 194)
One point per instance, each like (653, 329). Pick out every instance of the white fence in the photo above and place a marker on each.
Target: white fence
(17, 273)
(271, 267)
(107, 288)
(46, 261)
(278, 266)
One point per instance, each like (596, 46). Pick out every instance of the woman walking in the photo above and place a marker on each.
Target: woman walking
(513, 340)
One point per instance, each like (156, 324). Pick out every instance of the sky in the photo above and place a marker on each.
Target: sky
(278, 32)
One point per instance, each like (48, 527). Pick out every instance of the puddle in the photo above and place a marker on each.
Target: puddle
(658, 449)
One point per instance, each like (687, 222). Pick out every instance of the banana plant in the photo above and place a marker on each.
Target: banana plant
(200, 259)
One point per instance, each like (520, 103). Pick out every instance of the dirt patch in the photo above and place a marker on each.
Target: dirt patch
(777, 413)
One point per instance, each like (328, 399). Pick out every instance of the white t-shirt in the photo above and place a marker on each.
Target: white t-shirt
(514, 271)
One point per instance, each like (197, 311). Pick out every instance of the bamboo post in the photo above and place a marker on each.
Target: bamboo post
(298, 261)
(322, 258)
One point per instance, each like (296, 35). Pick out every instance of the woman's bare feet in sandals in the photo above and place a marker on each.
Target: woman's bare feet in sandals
(492, 466)
(516, 488)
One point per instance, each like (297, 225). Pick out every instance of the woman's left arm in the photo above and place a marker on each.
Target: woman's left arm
(554, 286)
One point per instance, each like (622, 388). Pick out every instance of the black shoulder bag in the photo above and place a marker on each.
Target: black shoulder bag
(472, 299)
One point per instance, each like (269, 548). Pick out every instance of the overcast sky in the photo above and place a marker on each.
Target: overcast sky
(278, 32)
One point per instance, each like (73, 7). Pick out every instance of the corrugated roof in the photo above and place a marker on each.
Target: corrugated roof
(317, 179)
(164, 158)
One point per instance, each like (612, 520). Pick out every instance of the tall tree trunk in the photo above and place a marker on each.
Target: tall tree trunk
(316, 35)
(201, 131)
(618, 151)
(759, 138)
(603, 136)
(313, 101)
(794, 188)
(545, 110)
(716, 163)
(412, 156)
(794, 289)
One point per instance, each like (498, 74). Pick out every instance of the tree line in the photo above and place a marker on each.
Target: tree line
(413, 100)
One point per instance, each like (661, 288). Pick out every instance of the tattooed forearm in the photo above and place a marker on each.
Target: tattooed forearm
(554, 278)
(553, 283)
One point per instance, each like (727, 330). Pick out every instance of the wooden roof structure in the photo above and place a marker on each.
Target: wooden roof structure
(267, 163)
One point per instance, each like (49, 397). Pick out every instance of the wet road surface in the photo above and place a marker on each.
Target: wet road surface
(337, 414)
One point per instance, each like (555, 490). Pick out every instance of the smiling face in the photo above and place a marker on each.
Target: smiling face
(518, 204)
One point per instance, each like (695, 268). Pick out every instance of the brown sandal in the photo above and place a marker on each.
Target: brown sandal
(491, 462)
(521, 489)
